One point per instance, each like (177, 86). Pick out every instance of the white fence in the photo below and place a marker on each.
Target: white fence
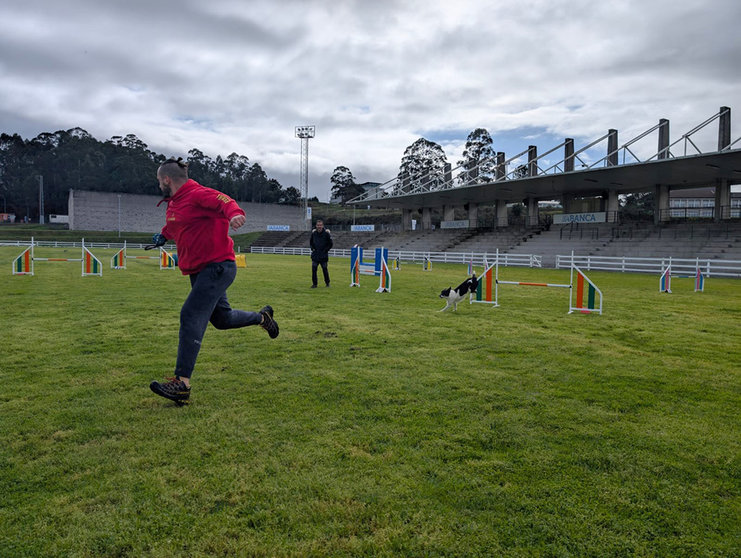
(89, 245)
(708, 267)
(478, 258)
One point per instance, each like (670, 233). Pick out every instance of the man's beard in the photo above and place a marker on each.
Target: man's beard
(166, 192)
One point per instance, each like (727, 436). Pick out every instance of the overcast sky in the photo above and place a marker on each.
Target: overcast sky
(373, 76)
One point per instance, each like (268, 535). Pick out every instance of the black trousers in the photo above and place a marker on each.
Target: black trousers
(207, 302)
(314, 265)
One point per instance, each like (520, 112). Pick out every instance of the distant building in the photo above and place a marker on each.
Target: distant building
(699, 203)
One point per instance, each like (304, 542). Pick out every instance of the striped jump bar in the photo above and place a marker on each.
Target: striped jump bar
(533, 284)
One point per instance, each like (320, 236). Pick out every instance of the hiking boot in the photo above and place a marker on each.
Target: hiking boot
(173, 389)
(268, 323)
(313, 286)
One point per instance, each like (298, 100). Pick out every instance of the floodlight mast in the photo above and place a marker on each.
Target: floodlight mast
(40, 178)
(305, 133)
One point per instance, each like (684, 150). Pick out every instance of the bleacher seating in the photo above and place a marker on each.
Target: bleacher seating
(678, 240)
(272, 238)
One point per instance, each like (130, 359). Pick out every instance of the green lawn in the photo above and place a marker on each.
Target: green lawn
(374, 425)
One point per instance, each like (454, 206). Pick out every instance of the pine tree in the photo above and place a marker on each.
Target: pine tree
(422, 167)
(479, 159)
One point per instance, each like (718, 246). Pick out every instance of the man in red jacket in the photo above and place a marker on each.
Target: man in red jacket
(198, 220)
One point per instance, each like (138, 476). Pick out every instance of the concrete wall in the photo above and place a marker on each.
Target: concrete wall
(99, 211)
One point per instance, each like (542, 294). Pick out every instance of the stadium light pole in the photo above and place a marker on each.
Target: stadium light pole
(5, 191)
(304, 133)
(41, 199)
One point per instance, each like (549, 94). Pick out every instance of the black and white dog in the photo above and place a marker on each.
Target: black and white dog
(454, 296)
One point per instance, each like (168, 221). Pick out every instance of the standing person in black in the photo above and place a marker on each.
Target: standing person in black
(321, 243)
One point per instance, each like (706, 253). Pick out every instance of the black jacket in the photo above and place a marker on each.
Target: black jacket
(321, 243)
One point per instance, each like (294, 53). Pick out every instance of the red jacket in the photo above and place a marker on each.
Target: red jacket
(198, 221)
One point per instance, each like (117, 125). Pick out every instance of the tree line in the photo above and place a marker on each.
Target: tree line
(73, 159)
(424, 166)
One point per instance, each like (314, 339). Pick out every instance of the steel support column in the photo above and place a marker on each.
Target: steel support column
(502, 220)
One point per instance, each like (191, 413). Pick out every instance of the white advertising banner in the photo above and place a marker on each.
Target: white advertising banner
(463, 224)
(565, 218)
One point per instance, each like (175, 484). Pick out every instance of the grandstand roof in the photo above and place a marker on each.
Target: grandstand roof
(678, 172)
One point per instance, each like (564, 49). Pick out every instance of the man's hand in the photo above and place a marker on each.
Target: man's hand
(237, 221)
(158, 239)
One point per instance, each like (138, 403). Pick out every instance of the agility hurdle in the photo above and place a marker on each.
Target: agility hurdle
(118, 261)
(167, 260)
(699, 281)
(378, 267)
(24, 263)
(427, 263)
(487, 290)
(384, 285)
(665, 279)
(591, 291)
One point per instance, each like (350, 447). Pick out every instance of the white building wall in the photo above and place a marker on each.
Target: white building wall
(108, 211)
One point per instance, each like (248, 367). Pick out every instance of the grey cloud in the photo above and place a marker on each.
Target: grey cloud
(229, 75)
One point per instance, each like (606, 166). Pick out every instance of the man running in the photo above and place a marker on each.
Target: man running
(198, 220)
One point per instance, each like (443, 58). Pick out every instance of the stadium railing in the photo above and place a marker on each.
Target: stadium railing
(709, 267)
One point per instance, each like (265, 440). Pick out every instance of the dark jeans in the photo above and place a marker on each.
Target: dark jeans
(314, 265)
(207, 302)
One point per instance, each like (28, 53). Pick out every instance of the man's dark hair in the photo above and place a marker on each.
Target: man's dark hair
(176, 169)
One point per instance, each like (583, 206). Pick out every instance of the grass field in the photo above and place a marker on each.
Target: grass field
(374, 425)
